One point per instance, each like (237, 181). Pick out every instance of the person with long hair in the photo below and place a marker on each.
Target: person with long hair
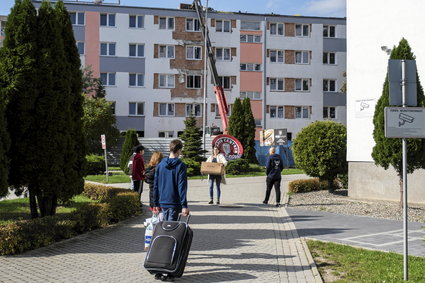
(219, 158)
(150, 174)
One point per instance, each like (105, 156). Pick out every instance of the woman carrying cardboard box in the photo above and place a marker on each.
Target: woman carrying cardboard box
(218, 158)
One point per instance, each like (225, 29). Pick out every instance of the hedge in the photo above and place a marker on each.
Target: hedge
(307, 185)
(237, 166)
(115, 204)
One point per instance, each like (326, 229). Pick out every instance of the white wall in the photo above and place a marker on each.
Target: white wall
(370, 25)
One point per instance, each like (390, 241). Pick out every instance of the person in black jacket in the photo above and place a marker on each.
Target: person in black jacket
(150, 174)
(274, 167)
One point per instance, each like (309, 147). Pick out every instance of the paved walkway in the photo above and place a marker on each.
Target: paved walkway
(238, 241)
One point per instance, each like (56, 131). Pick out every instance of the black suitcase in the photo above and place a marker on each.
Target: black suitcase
(169, 248)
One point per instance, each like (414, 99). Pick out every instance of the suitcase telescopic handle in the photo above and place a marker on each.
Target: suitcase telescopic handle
(187, 218)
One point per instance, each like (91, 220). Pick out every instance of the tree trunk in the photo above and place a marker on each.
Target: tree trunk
(41, 204)
(33, 202)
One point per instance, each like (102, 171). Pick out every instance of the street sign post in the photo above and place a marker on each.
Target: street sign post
(103, 142)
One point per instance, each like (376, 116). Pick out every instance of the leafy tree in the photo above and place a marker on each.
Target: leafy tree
(320, 150)
(248, 141)
(388, 151)
(236, 121)
(92, 86)
(98, 119)
(192, 149)
(130, 142)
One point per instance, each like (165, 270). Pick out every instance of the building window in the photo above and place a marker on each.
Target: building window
(80, 46)
(77, 18)
(193, 81)
(135, 21)
(166, 23)
(194, 53)
(136, 79)
(329, 85)
(166, 109)
(276, 84)
(302, 30)
(166, 81)
(302, 57)
(166, 134)
(276, 56)
(276, 29)
(250, 25)
(250, 94)
(225, 82)
(302, 84)
(250, 67)
(108, 79)
(166, 51)
(276, 112)
(107, 48)
(136, 108)
(107, 20)
(329, 31)
(249, 38)
(222, 26)
(194, 110)
(329, 58)
(329, 113)
(136, 50)
(193, 25)
(301, 112)
(222, 54)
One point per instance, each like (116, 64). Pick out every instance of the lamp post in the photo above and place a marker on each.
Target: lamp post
(204, 107)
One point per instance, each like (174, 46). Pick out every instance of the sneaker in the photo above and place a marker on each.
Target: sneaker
(264, 202)
(218, 202)
(277, 204)
(211, 202)
(167, 278)
(158, 276)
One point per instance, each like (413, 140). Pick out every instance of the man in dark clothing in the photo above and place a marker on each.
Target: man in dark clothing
(274, 166)
(138, 169)
(170, 184)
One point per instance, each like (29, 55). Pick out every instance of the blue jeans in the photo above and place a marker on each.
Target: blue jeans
(171, 213)
(217, 179)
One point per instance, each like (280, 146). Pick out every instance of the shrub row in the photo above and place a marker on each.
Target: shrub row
(95, 164)
(115, 205)
(237, 166)
(307, 185)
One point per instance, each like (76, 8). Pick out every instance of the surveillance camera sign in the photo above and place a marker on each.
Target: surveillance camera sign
(404, 122)
(365, 107)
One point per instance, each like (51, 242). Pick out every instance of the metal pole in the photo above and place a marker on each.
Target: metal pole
(404, 145)
(204, 107)
(106, 165)
(265, 75)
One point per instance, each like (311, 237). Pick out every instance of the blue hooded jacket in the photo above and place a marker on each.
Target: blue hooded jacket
(170, 185)
(274, 165)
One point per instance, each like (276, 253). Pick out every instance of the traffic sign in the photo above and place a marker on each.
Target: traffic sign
(103, 141)
(404, 122)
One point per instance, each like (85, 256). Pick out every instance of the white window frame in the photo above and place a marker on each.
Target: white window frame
(278, 59)
(191, 107)
(277, 84)
(303, 54)
(275, 29)
(168, 79)
(139, 21)
(302, 83)
(137, 78)
(250, 67)
(77, 18)
(327, 31)
(301, 110)
(327, 85)
(167, 24)
(167, 51)
(251, 22)
(170, 109)
(108, 48)
(220, 26)
(253, 95)
(193, 79)
(276, 109)
(226, 80)
(81, 44)
(195, 54)
(166, 134)
(194, 23)
(327, 111)
(221, 57)
(300, 32)
(136, 104)
(108, 20)
(327, 58)
(136, 45)
(108, 75)
(250, 38)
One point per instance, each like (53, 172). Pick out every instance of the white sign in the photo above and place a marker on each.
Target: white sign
(365, 107)
(103, 140)
(404, 122)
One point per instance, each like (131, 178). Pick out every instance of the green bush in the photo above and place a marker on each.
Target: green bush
(237, 167)
(307, 185)
(193, 167)
(91, 216)
(342, 181)
(123, 206)
(95, 164)
(101, 193)
(130, 142)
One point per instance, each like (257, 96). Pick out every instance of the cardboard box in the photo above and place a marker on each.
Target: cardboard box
(212, 168)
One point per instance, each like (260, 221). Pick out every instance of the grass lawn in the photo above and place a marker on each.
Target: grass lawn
(19, 209)
(340, 263)
(114, 179)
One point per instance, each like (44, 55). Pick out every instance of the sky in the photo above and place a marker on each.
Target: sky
(321, 8)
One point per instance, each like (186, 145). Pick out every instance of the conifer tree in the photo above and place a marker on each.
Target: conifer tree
(236, 121)
(248, 141)
(130, 142)
(192, 140)
(388, 151)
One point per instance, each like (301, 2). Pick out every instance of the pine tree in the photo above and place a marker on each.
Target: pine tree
(248, 142)
(388, 151)
(236, 121)
(192, 139)
(130, 142)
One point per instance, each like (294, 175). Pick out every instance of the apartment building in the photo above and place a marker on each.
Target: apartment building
(151, 62)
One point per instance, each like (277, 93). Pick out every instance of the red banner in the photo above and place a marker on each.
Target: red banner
(229, 146)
